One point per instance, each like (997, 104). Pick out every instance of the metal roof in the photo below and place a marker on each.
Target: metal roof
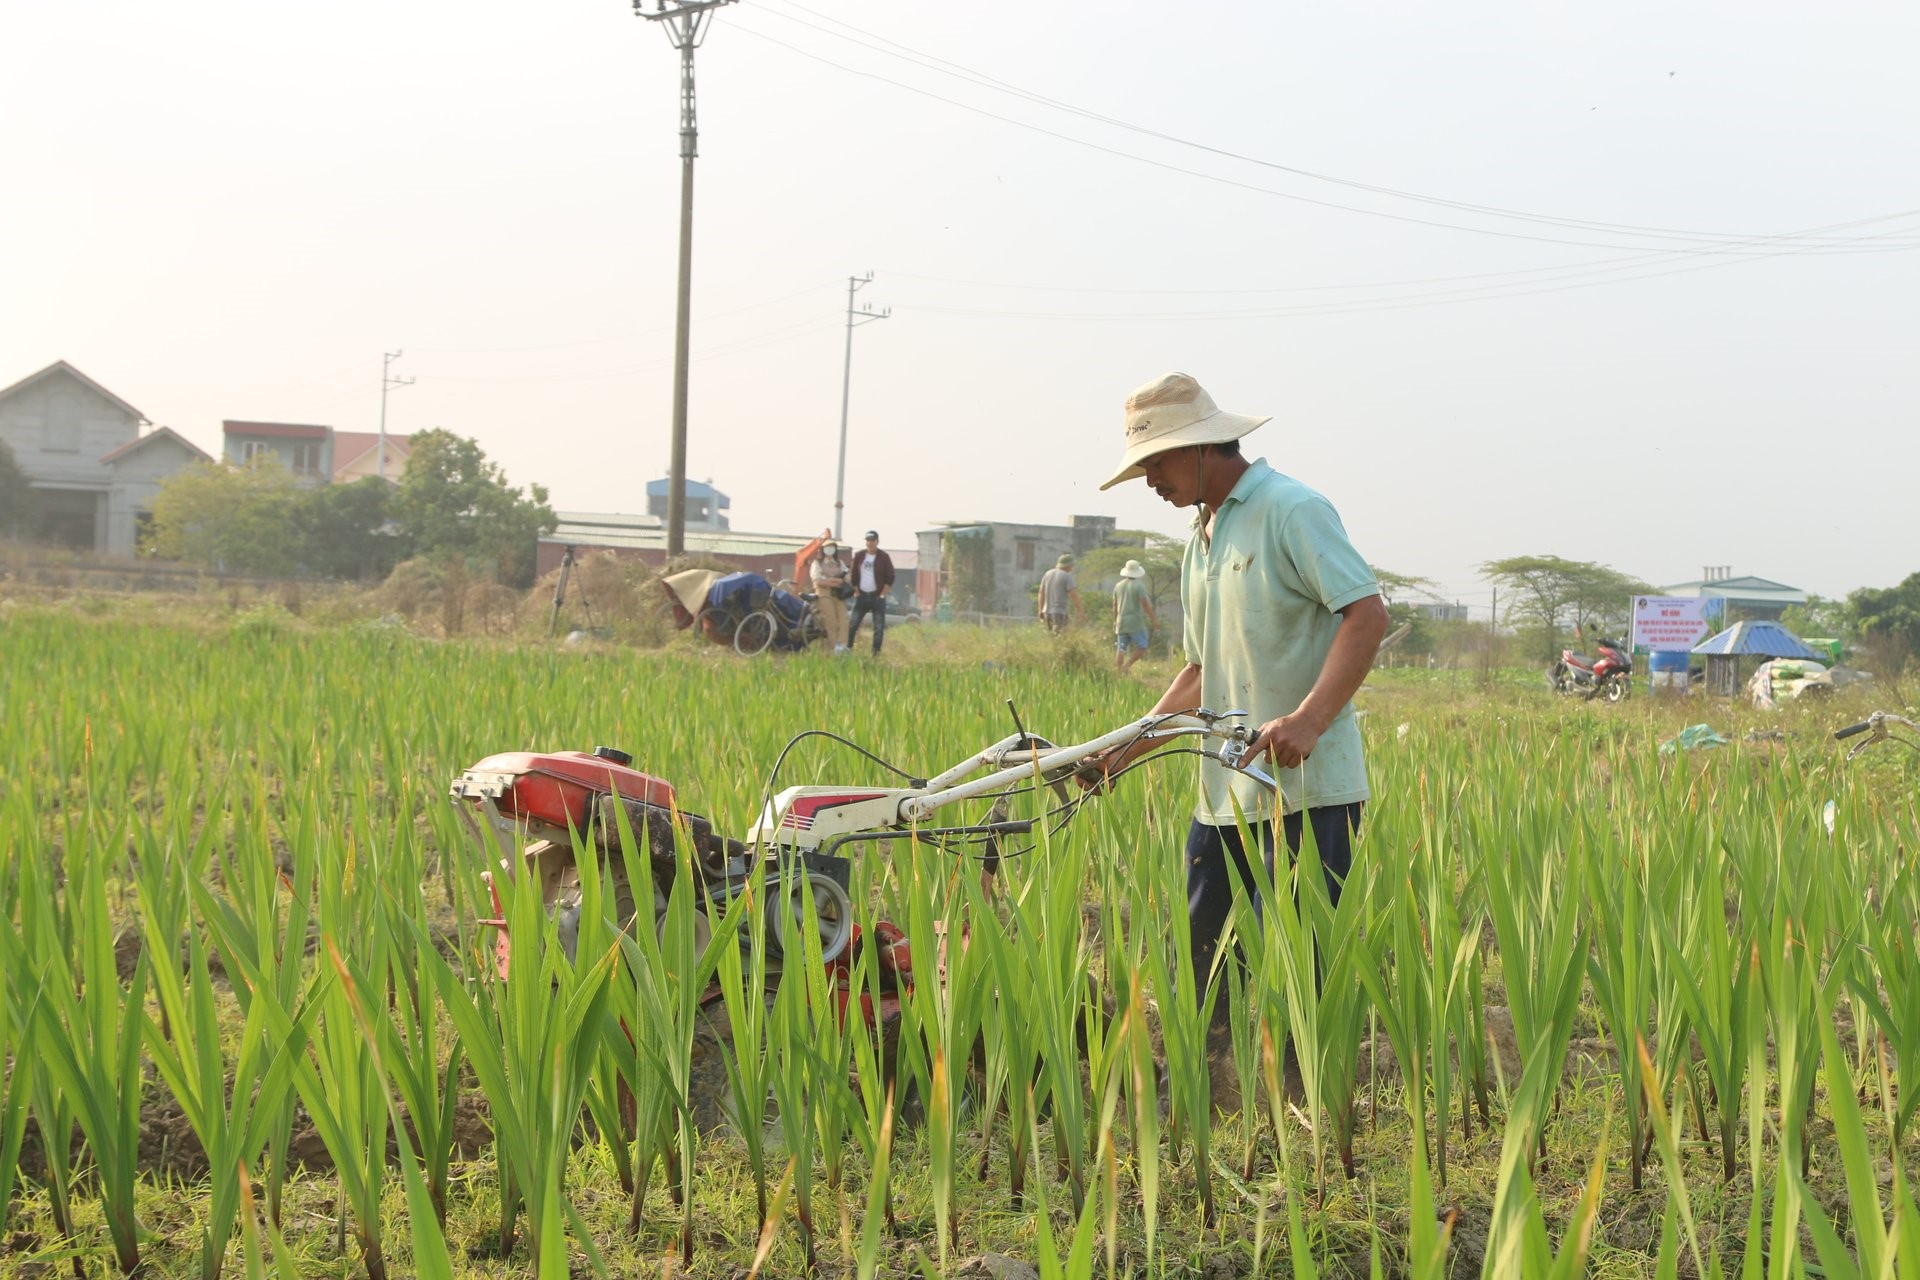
(276, 430)
(61, 366)
(1759, 640)
(695, 489)
(604, 533)
(158, 433)
(1745, 587)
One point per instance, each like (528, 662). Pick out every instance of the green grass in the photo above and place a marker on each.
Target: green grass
(229, 786)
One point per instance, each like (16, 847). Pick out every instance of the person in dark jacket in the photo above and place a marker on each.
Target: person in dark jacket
(872, 580)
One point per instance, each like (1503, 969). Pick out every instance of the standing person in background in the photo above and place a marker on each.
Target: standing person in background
(1133, 620)
(832, 588)
(1283, 619)
(1058, 590)
(872, 580)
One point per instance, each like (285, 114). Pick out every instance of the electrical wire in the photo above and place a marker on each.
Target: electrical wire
(627, 337)
(773, 775)
(739, 346)
(947, 67)
(1719, 244)
(1568, 281)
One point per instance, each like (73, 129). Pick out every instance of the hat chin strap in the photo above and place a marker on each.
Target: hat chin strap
(1200, 476)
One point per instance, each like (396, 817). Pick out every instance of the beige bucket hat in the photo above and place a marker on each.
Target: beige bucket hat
(1133, 569)
(1173, 412)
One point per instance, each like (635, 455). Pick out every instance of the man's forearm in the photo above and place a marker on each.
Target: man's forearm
(1363, 624)
(1183, 694)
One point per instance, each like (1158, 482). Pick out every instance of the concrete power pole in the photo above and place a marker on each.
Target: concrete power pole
(685, 22)
(855, 317)
(387, 383)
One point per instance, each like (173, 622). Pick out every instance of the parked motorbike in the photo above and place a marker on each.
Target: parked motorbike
(1608, 674)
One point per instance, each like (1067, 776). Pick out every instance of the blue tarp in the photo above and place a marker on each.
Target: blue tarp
(1757, 640)
(739, 594)
(791, 608)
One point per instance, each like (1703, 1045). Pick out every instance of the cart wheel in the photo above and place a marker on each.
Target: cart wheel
(754, 633)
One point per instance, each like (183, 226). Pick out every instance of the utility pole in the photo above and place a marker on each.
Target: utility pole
(387, 383)
(685, 22)
(855, 317)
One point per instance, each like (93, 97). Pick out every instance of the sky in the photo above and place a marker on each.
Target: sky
(1635, 283)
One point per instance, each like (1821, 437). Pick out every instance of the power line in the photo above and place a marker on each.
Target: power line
(1202, 174)
(686, 24)
(1260, 289)
(772, 337)
(388, 381)
(1569, 281)
(947, 67)
(705, 318)
(856, 316)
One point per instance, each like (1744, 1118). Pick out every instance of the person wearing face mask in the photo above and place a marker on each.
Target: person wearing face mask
(833, 587)
(1283, 619)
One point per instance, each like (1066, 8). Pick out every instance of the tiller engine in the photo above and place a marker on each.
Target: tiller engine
(530, 805)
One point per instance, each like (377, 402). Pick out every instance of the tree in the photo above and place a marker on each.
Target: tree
(454, 502)
(1887, 621)
(344, 531)
(1819, 616)
(231, 519)
(1546, 591)
(18, 505)
(1400, 591)
(966, 556)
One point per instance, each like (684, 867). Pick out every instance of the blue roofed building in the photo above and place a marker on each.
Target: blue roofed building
(706, 505)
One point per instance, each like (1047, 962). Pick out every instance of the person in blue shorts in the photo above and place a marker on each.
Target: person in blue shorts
(1133, 620)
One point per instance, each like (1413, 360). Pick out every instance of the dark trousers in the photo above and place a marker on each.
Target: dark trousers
(1212, 850)
(868, 604)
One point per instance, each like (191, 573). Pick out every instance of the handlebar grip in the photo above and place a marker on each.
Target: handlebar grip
(1853, 730)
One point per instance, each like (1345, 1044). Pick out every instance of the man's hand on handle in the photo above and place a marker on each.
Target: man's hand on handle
(1289, 740)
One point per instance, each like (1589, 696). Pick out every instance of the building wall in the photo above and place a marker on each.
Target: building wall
(700, 513)
(59, 428)
(239, 448)
(137, 479)
(368, 464)
(1022, 553)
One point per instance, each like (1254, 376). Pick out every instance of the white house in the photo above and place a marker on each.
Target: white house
(81, 447)
(1747, 596)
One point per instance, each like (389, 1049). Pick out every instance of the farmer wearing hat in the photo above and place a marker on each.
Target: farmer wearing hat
(1058, 589)
(1283, 618)
(1133, 619)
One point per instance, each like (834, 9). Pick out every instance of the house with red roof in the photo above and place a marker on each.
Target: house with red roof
(356, 455)
(94, 465)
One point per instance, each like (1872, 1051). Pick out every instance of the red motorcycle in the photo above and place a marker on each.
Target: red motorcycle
(1608, 674)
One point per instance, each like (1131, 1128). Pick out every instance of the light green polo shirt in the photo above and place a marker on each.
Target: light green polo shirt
(1129, 607)
(1262, 606)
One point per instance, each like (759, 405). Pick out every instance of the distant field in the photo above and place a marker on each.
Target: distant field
(1582, 1002)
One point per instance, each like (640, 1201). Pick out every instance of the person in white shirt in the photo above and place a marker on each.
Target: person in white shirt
(872, 580)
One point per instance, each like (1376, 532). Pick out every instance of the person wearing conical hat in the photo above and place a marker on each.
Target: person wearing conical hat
(1283, 619)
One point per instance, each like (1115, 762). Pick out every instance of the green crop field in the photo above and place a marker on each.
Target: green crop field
(1583, 1008)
